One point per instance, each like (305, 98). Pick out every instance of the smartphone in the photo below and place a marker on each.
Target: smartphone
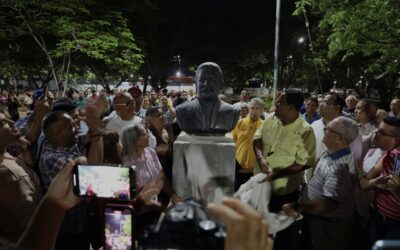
(44, 94)
(396, 168)
(118, 227)
(105, 181)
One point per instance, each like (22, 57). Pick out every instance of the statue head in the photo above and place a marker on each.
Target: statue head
(209, 80)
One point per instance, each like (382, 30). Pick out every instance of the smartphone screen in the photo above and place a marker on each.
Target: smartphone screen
(105, 181)
(118, 228)
(396, 164)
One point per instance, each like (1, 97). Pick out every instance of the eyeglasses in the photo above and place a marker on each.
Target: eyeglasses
(331, 130)
(328, 102)
(127, 104)
(383, 133)
(143, 134)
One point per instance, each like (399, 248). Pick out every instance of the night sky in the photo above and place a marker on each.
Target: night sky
(224, 30)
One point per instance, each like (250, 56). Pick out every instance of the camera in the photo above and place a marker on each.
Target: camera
(184, 226)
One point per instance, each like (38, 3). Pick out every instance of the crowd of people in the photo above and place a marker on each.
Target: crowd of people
(333, 159)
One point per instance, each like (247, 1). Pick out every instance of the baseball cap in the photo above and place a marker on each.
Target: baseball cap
(135, 92)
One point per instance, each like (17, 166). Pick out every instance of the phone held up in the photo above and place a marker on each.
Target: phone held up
(118, 227)
(44, 94)
(105, 181)
(396, 165)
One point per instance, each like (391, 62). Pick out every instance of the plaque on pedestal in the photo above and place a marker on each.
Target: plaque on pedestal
(204, 166)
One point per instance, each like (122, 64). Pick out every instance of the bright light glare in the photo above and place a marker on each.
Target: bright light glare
(178, 74)
(301, 40)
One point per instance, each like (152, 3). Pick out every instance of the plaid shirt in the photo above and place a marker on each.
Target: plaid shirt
(52, 160)
(22, 123)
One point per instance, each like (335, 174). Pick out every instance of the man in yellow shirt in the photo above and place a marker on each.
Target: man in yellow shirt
(284, 147)
(243, 136)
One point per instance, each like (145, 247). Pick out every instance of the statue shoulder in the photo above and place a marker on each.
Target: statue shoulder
(187, 106)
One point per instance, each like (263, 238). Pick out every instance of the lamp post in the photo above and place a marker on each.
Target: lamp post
(276, 51)
(307, 24)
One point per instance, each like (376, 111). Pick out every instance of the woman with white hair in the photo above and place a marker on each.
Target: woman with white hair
(136, 151)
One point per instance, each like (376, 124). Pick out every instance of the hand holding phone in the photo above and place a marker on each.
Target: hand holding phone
(105, 181)
(380, 182)
(44, 94)
(60, 190)
(396, 165)
(394, 185)
(149, 194)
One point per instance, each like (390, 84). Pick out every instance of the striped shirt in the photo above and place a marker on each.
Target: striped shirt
(334, 179)
(385, 201)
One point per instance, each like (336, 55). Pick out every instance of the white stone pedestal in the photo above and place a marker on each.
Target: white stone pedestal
(204, 166)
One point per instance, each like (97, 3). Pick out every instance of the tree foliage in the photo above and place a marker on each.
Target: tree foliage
(74, 36)
(363, 35)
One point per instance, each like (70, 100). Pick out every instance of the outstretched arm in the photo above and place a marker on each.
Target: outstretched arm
(42, 231)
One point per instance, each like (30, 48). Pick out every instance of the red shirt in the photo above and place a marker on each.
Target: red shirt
(385, 201)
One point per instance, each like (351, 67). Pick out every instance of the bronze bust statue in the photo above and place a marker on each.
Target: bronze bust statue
(207, 114)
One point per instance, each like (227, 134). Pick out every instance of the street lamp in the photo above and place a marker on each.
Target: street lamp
(177, 58)
(301, 41)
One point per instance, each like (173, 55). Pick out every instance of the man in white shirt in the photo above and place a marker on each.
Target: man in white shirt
(244, 98)
(395, 107)
(330, 107)
(123, 114)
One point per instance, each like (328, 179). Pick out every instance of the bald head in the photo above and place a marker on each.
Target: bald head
(351, 101)
(395, 106)
(60, 129)
(122, 95)
(124, 105)
(50, 122)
